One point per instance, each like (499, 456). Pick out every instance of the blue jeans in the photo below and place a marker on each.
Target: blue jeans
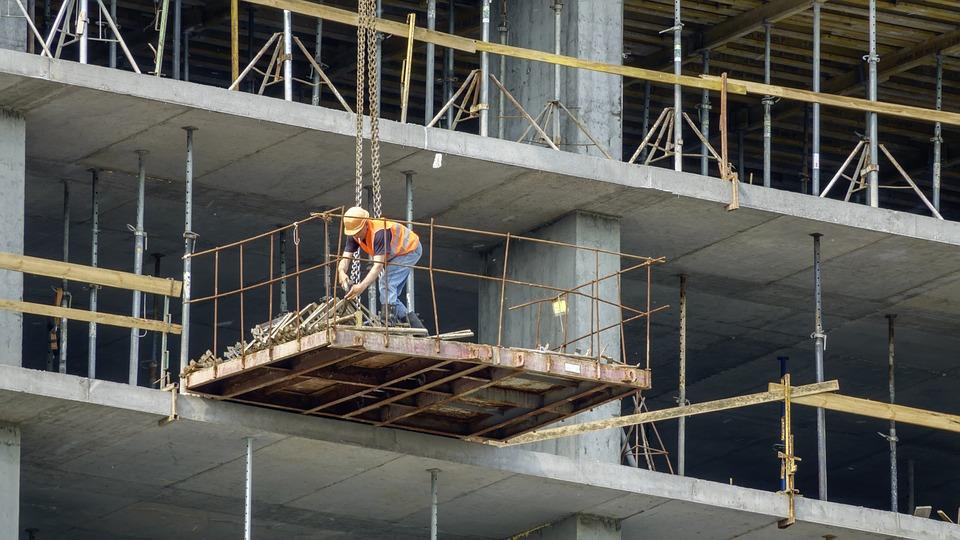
(394, 279)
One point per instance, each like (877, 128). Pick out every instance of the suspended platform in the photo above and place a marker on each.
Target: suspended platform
(454, 389)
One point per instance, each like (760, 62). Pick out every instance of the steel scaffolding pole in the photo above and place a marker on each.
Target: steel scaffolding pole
(113, 42)
(138, 246)
(431, 64)
(94, 256)
(872, 60)
(677, 89)
(188, 238)
(65, 302)
(287, 55)
(434, 529)
(815, 170)
(682, 427)
(819, 345)
(704, 119)
(318, 48)
(646, 116)
(186, 56)
(484, 75)
(177, 34)
(767, 105)
(938, 136)
(83, 24)
(448, 67)
(892, 437)
(410, 280)
(557, 29)
(501, 121)
(248, 493)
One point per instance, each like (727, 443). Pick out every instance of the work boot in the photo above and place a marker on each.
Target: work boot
(392, 319)
(414, 321)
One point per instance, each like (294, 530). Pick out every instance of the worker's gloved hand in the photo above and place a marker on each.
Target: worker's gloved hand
(354, 292)
(344, 280)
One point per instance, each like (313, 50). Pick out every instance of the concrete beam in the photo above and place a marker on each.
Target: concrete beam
(9, 482)
(579, 527)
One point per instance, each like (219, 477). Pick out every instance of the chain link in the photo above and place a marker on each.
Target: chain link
(367, 46)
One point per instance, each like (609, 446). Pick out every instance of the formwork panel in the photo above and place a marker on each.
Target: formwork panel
(449, 388)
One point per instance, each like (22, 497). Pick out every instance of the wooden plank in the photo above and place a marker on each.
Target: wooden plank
(852, 103)
(879, 409)
(667, 414)
(74, 314)
(89, 274)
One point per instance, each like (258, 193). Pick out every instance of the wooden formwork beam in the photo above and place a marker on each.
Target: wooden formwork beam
(89, 274)
(666, 414)
(74, 314)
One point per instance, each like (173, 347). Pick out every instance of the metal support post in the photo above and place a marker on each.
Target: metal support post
(485, 74)
(501, 121)
(287, 55)
(820, 343)
(767, 104)
(113, 43)
(177, 34)
(413, 272)
(94, 245)
(937, 135)
(318, 48)
(677, 89)
(815, 169)
(283, 271)
(705, 119)
(431, 64)
(557, 29)
(186, 56)
(646, 116)
(434, 473)
(892, 437)
(682, 427)
(65, 302)
(741, 160)
(248, 494)
(157, 352)
(138, 246)
(83, 25)
(911, 488)
(872, 59)
(188, 240)
(448, 67)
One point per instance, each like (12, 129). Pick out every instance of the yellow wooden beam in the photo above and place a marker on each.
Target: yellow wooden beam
(89, 274)
(74, 314)
(234, 39)
(881, 410)
(668, 414)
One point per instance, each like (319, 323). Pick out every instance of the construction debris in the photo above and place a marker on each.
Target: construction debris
(314, 317)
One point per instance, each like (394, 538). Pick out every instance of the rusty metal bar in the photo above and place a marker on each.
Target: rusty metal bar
(433, 289)
(649, 293)
(216, 301)
(243, 326)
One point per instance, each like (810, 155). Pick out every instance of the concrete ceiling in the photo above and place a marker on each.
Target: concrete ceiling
(260, 162)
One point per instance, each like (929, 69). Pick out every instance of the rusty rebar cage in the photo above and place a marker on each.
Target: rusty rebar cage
(235, 258)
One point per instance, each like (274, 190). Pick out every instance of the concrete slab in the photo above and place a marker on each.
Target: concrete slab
(374, 495)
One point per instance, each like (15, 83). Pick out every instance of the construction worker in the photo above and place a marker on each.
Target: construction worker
(387, 242)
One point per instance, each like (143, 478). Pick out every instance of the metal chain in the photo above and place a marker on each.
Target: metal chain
(363, 14)
(373, 46)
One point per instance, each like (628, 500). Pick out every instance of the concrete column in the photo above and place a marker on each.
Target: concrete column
(562, 268)
(9, 482)
(590, 29)
(12, 170)
(579, 527)
(13, 29)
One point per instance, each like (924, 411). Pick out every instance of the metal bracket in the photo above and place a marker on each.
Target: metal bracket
(816, 335)
(888, 437)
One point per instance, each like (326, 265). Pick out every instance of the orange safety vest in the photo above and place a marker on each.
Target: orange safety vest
(403, 240)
